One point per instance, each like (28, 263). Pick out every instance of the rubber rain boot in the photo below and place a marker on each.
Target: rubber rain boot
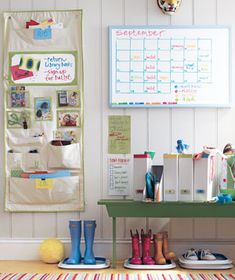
(158, 245)
(75, 233)
(89, 234)
(146, 245)
(169, 255)
(135, 248)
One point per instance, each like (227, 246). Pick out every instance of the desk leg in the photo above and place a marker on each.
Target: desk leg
(114, 243)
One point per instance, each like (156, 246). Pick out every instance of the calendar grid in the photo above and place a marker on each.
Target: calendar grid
(142, 68)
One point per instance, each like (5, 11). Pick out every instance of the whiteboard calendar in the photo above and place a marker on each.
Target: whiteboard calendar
(169, 66)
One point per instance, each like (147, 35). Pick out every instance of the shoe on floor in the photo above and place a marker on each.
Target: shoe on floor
(206, 255)
(191, 255)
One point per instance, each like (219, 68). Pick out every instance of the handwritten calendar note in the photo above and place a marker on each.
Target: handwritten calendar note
(43, 68)
(119, 175)
(119, 141)
(170, 66)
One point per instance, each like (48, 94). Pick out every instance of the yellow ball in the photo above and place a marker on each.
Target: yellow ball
(51, 251)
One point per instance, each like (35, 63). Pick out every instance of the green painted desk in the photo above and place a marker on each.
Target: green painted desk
(130, 208)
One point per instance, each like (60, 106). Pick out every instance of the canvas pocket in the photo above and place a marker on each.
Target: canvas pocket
(15, 161)
(15, 141)
(25, 161)
(64, 156)
(22, 140)
(33, 161)
(31, 191)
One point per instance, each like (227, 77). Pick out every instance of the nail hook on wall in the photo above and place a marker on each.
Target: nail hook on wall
(169, 6)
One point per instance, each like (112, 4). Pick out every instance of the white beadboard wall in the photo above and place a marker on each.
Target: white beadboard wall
(154, 129)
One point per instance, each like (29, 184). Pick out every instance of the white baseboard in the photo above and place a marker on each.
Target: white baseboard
(24, 249)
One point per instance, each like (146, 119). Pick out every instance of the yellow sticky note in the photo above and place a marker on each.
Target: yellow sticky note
(43, 184)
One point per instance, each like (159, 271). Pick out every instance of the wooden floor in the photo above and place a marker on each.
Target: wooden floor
(40, 267)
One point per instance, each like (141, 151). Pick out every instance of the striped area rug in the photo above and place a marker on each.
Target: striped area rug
(156, 275)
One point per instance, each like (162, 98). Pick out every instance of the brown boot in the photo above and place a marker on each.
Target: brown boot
(158, 245)
(169, 255)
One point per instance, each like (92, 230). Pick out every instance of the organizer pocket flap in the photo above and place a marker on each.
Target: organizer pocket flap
(26, 38)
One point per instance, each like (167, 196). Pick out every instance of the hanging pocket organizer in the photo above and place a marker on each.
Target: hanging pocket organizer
(43, 91)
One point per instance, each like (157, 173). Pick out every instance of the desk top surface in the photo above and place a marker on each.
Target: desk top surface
(131, 208)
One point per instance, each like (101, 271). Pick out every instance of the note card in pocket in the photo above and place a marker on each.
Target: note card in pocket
(42, 34)
(43, 183)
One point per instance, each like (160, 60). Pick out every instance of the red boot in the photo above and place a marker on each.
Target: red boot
(135, 248)
(146, 243)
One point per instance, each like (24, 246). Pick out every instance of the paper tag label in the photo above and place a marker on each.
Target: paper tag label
(42, 34)
(43, 183)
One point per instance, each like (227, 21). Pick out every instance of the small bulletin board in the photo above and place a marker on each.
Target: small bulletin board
(43, 109)
(154, 66)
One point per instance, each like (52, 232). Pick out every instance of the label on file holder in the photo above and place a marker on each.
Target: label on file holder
(170, 191)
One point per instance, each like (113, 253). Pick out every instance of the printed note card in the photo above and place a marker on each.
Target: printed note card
(119, 175)
(18, 74)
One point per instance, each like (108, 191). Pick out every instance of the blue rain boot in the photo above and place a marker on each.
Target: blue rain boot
(89, 233)
(75, 233)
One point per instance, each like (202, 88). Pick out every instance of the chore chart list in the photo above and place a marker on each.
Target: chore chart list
(169, 66)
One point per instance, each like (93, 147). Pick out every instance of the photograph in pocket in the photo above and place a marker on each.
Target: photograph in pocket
(66, 135)
(18, 97)
(42, 108)
(68, 98)
(17, 119)
(68, 118)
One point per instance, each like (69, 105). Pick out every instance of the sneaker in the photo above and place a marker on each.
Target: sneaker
(191, 255)
(206, 255)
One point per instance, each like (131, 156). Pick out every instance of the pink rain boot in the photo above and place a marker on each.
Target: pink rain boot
(146, 243)
(135, 248)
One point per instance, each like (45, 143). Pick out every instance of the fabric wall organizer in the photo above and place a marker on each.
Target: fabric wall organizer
(43, 108)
